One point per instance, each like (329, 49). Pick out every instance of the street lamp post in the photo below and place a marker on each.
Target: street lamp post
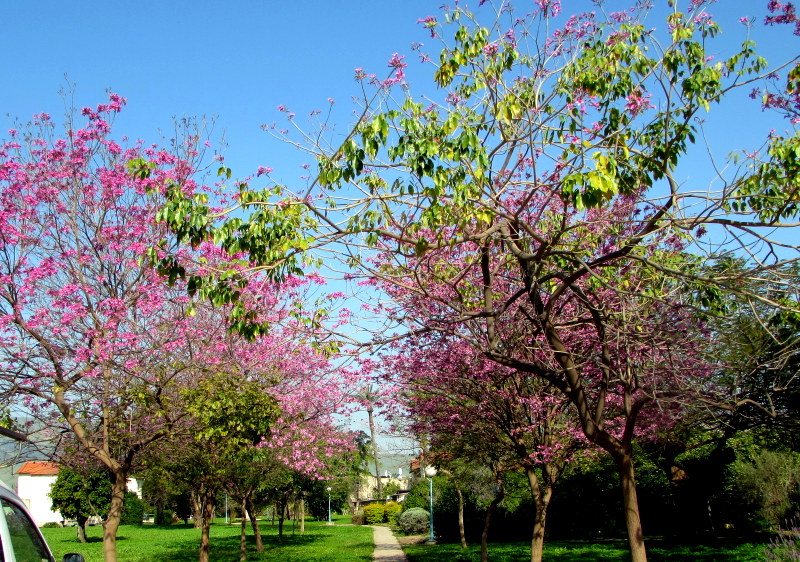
(330, 520)
(430, 472)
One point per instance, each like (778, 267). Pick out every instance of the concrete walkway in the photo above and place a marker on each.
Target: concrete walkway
(386, 546)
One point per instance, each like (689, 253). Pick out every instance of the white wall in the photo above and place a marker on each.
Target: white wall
(33, 490)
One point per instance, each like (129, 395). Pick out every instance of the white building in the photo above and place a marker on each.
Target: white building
(33, 484)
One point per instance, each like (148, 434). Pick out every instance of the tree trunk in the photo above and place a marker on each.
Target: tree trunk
(487, 522)
(81, 528)
(251, 513)
(630, 504)
(375, 451)
(281, 509)
(111, 524)
(196, 505)
(302, 516)
(207, 515)
(541, 494)
(243, 537)
(461, 530)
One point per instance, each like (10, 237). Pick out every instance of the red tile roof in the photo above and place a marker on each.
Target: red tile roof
(39, 468)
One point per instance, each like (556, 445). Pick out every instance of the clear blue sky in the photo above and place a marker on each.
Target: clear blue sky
(239, 60)
(234, 60)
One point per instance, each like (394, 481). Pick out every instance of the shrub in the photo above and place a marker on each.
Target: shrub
(374, 513)
(770, 483)
(414, 521)
(166, 517)
(389, 489)
(133, 510)
(358, 519)
(392, 512)
(51, 525)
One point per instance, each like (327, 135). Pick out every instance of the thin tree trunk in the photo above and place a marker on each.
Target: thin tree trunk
(196, 505)
(111, 524)
(205, 535)
(630, 504)
(281, 509)
(243, 536)
(251, 512)
(461, 530)
(302, 516)
(487, 522)
(372, 435)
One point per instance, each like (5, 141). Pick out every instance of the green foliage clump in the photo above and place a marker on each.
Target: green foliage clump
(374, 513)
(358, 519)
(51, 525)
(316, 496)
(414, 521)
(770, 483)
(132, 510)
(392, 512)
(79, 496)
(165, 517)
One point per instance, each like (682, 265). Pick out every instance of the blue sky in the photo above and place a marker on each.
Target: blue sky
(237, 61)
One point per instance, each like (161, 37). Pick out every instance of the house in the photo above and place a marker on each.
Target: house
(34, 479)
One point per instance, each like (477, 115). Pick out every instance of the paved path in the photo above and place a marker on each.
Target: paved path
(387, 548)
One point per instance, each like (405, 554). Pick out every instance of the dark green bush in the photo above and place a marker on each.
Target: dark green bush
(133, 510)
(414, 521)
(374, 513)
(358, 519)
(165, 517)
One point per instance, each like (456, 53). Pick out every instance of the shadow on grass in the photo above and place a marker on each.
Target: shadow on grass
(579, 550)
(227, 547)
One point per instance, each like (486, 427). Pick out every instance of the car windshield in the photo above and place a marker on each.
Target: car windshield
(26, 542)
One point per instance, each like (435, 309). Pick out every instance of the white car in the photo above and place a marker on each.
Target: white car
(20, 538)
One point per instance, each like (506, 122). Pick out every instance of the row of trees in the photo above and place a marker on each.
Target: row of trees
(553, 279)
(124, 369)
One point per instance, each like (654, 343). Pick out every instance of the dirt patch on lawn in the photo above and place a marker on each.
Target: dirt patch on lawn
(411, 539)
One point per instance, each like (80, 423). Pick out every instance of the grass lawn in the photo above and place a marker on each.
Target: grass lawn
(563, 551)
(180, 543)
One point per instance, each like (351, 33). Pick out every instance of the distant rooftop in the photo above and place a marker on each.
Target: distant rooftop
(39, 468)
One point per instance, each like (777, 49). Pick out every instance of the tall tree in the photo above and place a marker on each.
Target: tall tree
(492, 415)
(86, 323)
(540, 183)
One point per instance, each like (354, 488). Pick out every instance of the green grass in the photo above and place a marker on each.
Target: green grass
(563, 551)
(180, 543)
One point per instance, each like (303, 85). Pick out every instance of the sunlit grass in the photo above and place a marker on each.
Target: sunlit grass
(180, 543)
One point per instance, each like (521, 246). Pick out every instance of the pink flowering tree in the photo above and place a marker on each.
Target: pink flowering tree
(532, 203)
(87, 327)
(95, 340)
(256, 408)
(486, 413)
